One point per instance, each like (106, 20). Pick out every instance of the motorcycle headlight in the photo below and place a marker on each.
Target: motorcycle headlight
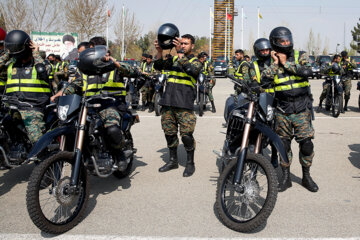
(269, 113)
(337, 80)
(62, 112)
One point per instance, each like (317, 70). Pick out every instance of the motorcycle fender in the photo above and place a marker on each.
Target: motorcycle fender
(48, 137)
(274, 138)
(202, 88)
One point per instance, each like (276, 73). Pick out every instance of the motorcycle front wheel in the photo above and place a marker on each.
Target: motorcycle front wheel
(337, 106)
(201, 104)
(51, 203)
(246, 206)
(156, 104)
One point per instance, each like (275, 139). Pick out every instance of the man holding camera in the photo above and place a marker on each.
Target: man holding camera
(178, 99)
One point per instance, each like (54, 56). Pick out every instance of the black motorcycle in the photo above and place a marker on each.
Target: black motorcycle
(58, 189)
(133, 86)
(201, 93)
(14, 142)
(247, 185)
(160, 85)
(334, 95)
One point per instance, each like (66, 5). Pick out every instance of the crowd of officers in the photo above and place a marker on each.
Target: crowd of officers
(279, 70)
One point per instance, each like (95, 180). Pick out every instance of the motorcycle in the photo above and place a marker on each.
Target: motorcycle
(58, 188)
(14, 142)
(334, 95)
(133, 94)
(201, 93)
(247, 186)
(160, 85)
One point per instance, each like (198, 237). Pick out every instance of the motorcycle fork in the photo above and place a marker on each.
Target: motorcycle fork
(244, 144)
(78, 146)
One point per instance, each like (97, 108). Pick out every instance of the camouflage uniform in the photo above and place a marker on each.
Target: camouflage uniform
(60, 74)
(110, 115)
(33, 119)
(147, 91)
(327, 70)
(295, 119)
(241, 73)
(347, 76)
(209, 73)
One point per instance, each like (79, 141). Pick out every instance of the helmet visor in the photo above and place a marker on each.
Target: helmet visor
(14, 48)
(284, 41)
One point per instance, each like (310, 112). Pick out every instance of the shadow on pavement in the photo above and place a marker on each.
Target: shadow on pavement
(14, 176)
(181, 154)
(354, 157)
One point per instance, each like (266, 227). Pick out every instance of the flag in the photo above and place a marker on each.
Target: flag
(211, 13)
(228, 17)
(260, 16)
(108, 13)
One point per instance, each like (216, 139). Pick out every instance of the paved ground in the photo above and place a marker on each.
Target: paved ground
(153, 204)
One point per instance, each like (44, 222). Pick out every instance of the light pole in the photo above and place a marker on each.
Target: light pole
(337, 47)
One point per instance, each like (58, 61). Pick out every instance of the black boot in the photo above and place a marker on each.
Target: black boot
(213, 109)
(319, 107)
(151, 107)
(143, 106)
(172, 163)
(190, 166)
(307, 181)
(285, 182)
(346, 103)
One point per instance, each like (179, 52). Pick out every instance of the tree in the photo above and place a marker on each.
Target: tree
(17, 15)
(201, 44)
(86, 17)
(46, 14)
(356, 38)
(311, 43)
(326, 47)
(131, 31)
(2, 22)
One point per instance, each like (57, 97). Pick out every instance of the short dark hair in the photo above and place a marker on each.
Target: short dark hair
(97, 41)
(69, 38)
(51, 55)
(246, 56)
(335, 57)
(83, 44)
(57, 57)
(149, 56)
(239, 51)
(189, 36)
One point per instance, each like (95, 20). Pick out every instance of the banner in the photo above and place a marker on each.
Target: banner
(63, 44)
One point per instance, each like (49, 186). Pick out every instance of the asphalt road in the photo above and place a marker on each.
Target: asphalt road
(149, 204)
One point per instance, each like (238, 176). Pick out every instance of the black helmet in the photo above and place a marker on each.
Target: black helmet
(278, 34)
(166, 33)
(344, 54)
(17, 42)
(91, 61)
(261, 44)
(335, 68)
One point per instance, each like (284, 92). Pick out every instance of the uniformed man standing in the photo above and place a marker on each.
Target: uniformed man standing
(206, 70)
(242, 71)
(147, 90)
(348, 67)
(61, 70)
(290, 72)
(28, 80)
(179, 96)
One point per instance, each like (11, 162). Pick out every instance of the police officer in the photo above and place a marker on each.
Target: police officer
(178, 99)
(98, 72)
(28, 80)
(242, 71)
(143, 60)
(61, 70)
(82, 46)
(147, 90)
(262, 50)
(348, 67)
(290, 71)
(331, 69)
(206, 70)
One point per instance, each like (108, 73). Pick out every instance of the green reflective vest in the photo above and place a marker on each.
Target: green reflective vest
(237, 74)
(181, 77)
(258, 77)
(93, 85)
(21, 80)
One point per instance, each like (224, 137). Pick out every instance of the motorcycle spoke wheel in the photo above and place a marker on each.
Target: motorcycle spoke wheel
(337, 106)
(53, 205)
(244, 207)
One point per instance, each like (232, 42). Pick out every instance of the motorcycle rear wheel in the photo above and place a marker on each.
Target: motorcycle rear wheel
(246, 206)
(201, 104)
(51, 208)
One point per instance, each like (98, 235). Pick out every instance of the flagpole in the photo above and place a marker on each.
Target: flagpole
(258, 26)
(242, 27)
(123, 34)
(210, 36)
(225, 33)
(107, 30)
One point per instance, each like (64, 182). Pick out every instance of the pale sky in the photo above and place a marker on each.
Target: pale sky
(326, 17)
